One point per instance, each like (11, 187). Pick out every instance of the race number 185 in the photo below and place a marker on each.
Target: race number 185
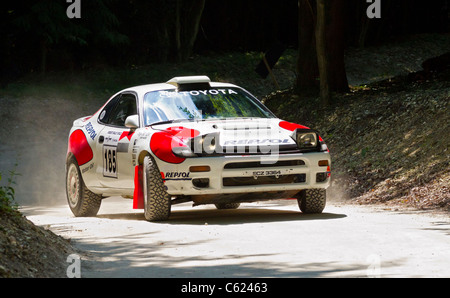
(110, 161)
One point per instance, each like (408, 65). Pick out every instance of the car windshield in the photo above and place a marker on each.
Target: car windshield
(213, 103)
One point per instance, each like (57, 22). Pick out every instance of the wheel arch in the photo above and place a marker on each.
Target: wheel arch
(142, 155)
(70, 156)
(79, 147)
(81, 200)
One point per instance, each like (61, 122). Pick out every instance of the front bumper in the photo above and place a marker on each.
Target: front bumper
(247, 174)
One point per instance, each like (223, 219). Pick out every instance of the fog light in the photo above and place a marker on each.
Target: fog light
(321, 177)
(200, 182)
(323, 163)
(199, 169)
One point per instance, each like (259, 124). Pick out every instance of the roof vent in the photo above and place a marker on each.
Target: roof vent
(190, 82)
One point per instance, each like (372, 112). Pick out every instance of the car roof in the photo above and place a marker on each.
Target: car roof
(141, 90)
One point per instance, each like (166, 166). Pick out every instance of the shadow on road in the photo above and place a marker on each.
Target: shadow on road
(228, 217)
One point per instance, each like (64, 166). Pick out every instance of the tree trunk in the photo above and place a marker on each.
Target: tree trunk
(163, 13)
(321, 48)
(322, 51)
(307, 69)
(335, 44)
(44, 51)
(178, 26)
(188, 17)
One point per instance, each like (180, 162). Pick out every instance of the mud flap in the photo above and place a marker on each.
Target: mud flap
(138, 195)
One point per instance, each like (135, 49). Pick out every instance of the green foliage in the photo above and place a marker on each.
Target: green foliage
(47, 20)
(101, 23)
(7, 193)
(43, 25)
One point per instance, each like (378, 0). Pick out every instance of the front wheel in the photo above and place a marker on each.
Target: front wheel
(157, 202)
(312, 200)
(82, 201)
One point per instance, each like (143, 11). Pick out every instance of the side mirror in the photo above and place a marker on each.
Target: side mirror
(132, 121)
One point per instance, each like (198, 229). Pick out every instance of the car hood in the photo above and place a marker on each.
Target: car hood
(238, 132)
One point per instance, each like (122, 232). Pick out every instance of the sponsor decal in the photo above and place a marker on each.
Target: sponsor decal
(142, 135)
(111, 138)
(198, 92)
(257, 142)
(88, 167)
(176, 176)
(90, 130)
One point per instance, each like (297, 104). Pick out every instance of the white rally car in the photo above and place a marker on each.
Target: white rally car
(191, 139)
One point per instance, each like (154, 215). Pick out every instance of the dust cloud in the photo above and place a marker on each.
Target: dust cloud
(338, 190)
(33, 144)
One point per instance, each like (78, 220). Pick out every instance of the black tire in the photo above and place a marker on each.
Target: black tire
(82, 201)
(157, 202)
(227, 205)
(312, 201)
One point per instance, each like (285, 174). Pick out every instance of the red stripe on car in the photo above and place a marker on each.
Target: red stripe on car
(79, 147)
(291, 126)
(162, 142)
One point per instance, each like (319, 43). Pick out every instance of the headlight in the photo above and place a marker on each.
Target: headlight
(206, 144)
(183, 152)
(307, 139)
(198, 146)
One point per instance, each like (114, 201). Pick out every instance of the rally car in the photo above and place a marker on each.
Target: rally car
(192, 140)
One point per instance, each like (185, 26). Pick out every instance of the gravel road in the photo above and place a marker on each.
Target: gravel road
(270, 239)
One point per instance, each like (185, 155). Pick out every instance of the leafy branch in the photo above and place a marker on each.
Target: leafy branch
(7, 193)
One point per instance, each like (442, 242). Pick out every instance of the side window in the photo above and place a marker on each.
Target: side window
(104, 115)
(119, 109)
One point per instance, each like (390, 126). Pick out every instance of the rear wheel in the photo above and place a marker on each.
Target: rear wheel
(157, 202)
(82, 201)
(312, 200)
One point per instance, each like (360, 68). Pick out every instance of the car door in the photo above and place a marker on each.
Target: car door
(114, 144)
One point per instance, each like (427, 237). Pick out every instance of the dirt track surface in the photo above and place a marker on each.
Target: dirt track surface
(271, 239)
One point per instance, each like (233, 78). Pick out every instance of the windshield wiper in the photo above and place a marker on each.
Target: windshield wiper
(168, 121)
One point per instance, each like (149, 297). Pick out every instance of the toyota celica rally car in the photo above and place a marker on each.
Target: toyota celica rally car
(191, 139)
